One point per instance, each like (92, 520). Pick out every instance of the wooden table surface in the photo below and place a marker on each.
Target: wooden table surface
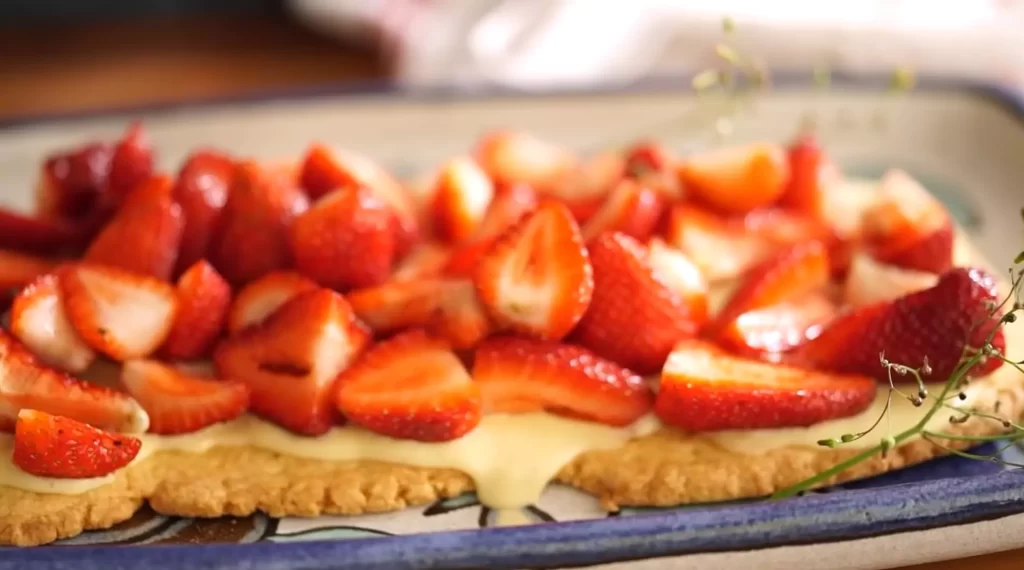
(112, 65)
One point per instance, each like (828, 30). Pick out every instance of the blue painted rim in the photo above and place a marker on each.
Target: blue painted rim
(812, 519)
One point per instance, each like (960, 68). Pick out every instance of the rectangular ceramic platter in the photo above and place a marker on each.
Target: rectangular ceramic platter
(965, 145)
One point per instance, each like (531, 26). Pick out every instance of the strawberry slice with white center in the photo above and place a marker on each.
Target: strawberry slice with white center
(48, 445)
(767, 332)
(519, 375)
(673, 268)
(25, 383)
(398, 305)
(38, 319)
(635, 317)
(410, 387)
(460, 317)
(721, 250)
(427, 259)
(290, 361)
(869, 281)
(507, 208)
(179, 402)
(631, 208)
(512, 157)
(536, 279)
(118, 313)
(463, 193)
(737, 179)
(204, 298)
(260, 298)
(705, 389)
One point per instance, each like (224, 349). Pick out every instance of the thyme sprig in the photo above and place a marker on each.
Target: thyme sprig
(952, 391)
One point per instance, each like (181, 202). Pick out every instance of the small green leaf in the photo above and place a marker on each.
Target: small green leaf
(1019, 259)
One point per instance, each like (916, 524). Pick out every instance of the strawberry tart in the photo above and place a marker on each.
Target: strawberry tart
(319, 337)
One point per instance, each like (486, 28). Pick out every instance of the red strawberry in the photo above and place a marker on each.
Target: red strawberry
(72, 186)
(935, 323)
(908, 228)
(145, 234)
(512, 157)
(38, 235)
(202, 191)
(262, 297)
(634, 318)
(460, 317)
(648, 156)
(324, 171)
(345, 240)
(536, 279)
(203, 301)
(27, 384)
(506, 209)
(410, 387)
(59, 447)
(869, 281)
(768, 332)
(721, 249)
(118, 313)
(803, 192)
(630, 208)
(39, 321)
(427, 259)
(791, 274)
(398, 305)
(782, 228)
(522, 375)
(178, 402)
(461, 198)
(291, 361)
(737, 179)
(19, 269)
(704, 389)
(585, 189)
(673, 268)
(130, 164)
(252, 237)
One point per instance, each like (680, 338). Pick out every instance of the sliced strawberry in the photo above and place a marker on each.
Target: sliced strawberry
(737, 179)
(704, 389)
(324, 171)
(252, 237)
(410, 387)
(506, 209)
(767, 332)
(933, 324)
(869, 281)
(39, 321)
(790, 274)
(803, 192)
(344, 240)
(203, 301)
(631, 208)
(398, 305)
(462, 195)
(721, 249)
(130, 164)
(145, 235)
(427, 259)
(648, 156)
(291, 361)
(262, 297)
(38, 235)
(27, 384)
(673, 268)
(19, 269)
(118, 313)
(514, 157)
(536, 279)
(202, 191)
(634, 318)
(585, 189)
(908, 227)
(179, 402)
(519, 375)
(53, 446)
(460, 317)
(72, 184)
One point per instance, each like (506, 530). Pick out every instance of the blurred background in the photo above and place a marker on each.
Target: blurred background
(65, 56)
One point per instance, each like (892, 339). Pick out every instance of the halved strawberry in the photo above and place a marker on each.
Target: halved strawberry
(934, 324)
(39, 321)
(324, 171)
(519, 375)
(721, 249)
(585, 188)
(673, 268)
(252, 236)
(202, 191)
(803, 192)
(72, 184)
(793, 273)
(536, 278)
(39, 235)
(514, 157)
(425, 260)
(130, 164)
(506, 209)
(118, 313)
(782, 228)
(631, 208)
(53, 446)
(767, 332)
(460, 317)
(870, 281)
(908, 227)
(462, 195)
(262, 297)
(203, 301)
(19, 269)
(179, 402)
(145, 234)
(25, 383)
(634, 318)
(705, 389)
(344, 240)
(410, 387)
(291, 361)
(736, 179)
(648, 156)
